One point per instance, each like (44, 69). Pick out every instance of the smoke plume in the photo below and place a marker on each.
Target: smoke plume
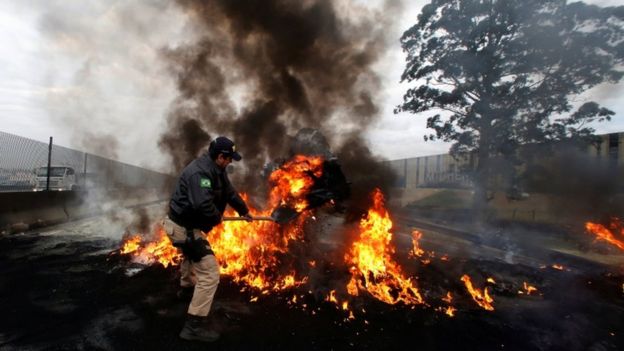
(262, 70)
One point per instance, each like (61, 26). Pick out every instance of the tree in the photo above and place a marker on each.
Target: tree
(502, 73)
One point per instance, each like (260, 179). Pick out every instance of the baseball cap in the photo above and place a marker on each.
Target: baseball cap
(227, 147)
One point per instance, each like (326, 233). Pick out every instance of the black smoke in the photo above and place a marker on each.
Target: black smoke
(262, 70)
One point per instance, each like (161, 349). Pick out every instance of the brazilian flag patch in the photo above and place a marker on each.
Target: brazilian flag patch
(205, 183)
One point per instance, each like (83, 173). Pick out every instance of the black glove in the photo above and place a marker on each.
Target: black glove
(195, 248)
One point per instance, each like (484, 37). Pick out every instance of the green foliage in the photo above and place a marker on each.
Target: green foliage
(501, 73)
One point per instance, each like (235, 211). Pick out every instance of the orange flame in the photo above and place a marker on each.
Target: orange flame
(557, 267)
(371, 266)
(159, 249)
(608, 234)
(482, 299)
(528, 289)
(293, 180)
(449, 310)
(255, 254)
(416, 250)
(248, 252)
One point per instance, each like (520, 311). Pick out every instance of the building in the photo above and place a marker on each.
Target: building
(444, 171)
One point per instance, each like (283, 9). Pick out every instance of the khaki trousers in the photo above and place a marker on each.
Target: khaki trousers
(204, 275)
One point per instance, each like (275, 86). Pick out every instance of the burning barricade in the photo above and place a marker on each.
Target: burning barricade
(274, 258)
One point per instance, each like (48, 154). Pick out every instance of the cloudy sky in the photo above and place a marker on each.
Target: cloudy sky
(90, 74)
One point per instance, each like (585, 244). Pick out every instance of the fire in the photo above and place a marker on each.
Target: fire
(528, 289)
(491, 280)
(256, 254)
(449, 310)
(416, 250)
(482, 299)
(371, 265)
(248, 252)
(159, 249)
(557, 267)
(332, 297)
(608, 233)
(132, 245)
(293, 180)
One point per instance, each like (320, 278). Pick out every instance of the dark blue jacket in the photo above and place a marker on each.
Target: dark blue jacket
(201, 195)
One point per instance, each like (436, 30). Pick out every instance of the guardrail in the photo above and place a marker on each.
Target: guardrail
(28, 165)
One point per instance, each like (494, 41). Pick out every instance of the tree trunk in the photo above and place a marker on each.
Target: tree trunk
(480, 196)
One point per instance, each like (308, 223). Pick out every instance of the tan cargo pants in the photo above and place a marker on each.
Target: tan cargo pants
(204, 275)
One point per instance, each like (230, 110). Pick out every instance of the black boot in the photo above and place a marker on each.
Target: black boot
(196, 328)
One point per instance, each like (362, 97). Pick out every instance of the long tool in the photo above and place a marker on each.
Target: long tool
(259, 218)
(281, 215)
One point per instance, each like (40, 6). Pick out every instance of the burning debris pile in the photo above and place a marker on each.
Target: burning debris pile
(265, 258)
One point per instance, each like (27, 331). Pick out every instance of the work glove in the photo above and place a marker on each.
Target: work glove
(247, 217)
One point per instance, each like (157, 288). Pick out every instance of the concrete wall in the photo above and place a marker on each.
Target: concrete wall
(20, 211)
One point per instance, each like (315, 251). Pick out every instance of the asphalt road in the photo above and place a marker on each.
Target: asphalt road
(65, 288)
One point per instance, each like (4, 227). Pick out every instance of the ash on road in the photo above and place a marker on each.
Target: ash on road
(62, 289)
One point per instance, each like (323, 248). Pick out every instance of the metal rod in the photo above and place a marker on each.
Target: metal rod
(49, 165)
(244, 219)
(84, 172)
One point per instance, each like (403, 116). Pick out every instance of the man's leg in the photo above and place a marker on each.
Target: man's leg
(196, 327)
(207, 273)
(187, 274)
(187, 280)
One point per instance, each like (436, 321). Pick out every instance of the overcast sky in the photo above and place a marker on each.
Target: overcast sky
(89, 74)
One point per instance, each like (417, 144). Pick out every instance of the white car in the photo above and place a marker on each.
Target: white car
(62, 178)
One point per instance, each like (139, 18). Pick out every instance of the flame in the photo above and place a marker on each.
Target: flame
(248, 251)
(608, 233)
(132, 245)
(416, 250)
(332, 297)
(482, 299)
(256, 254)
(491, 280)
(448, 310)
(371, 266)
(557, 267)
(528, 289)
(293, 180)
(158, 249)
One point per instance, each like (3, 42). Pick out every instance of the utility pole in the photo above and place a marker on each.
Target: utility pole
(49, 165)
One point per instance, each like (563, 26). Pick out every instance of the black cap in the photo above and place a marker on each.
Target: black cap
(223, 145)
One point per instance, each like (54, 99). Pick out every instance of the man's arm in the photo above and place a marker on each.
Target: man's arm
(235, 200)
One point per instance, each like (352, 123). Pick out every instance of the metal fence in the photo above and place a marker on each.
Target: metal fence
(601, 161)
(30, 165)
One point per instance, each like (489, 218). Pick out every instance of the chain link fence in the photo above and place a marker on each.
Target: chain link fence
(30, 165)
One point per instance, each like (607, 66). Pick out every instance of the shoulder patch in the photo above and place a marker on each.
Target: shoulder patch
(205, 183)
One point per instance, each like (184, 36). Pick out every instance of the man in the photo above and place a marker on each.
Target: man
(201, 195)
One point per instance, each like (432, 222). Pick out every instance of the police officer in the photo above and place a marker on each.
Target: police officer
(201, 195)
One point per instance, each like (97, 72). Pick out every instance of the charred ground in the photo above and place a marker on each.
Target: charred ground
(64, 289)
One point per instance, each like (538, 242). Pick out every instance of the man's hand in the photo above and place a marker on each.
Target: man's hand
(247, 217)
